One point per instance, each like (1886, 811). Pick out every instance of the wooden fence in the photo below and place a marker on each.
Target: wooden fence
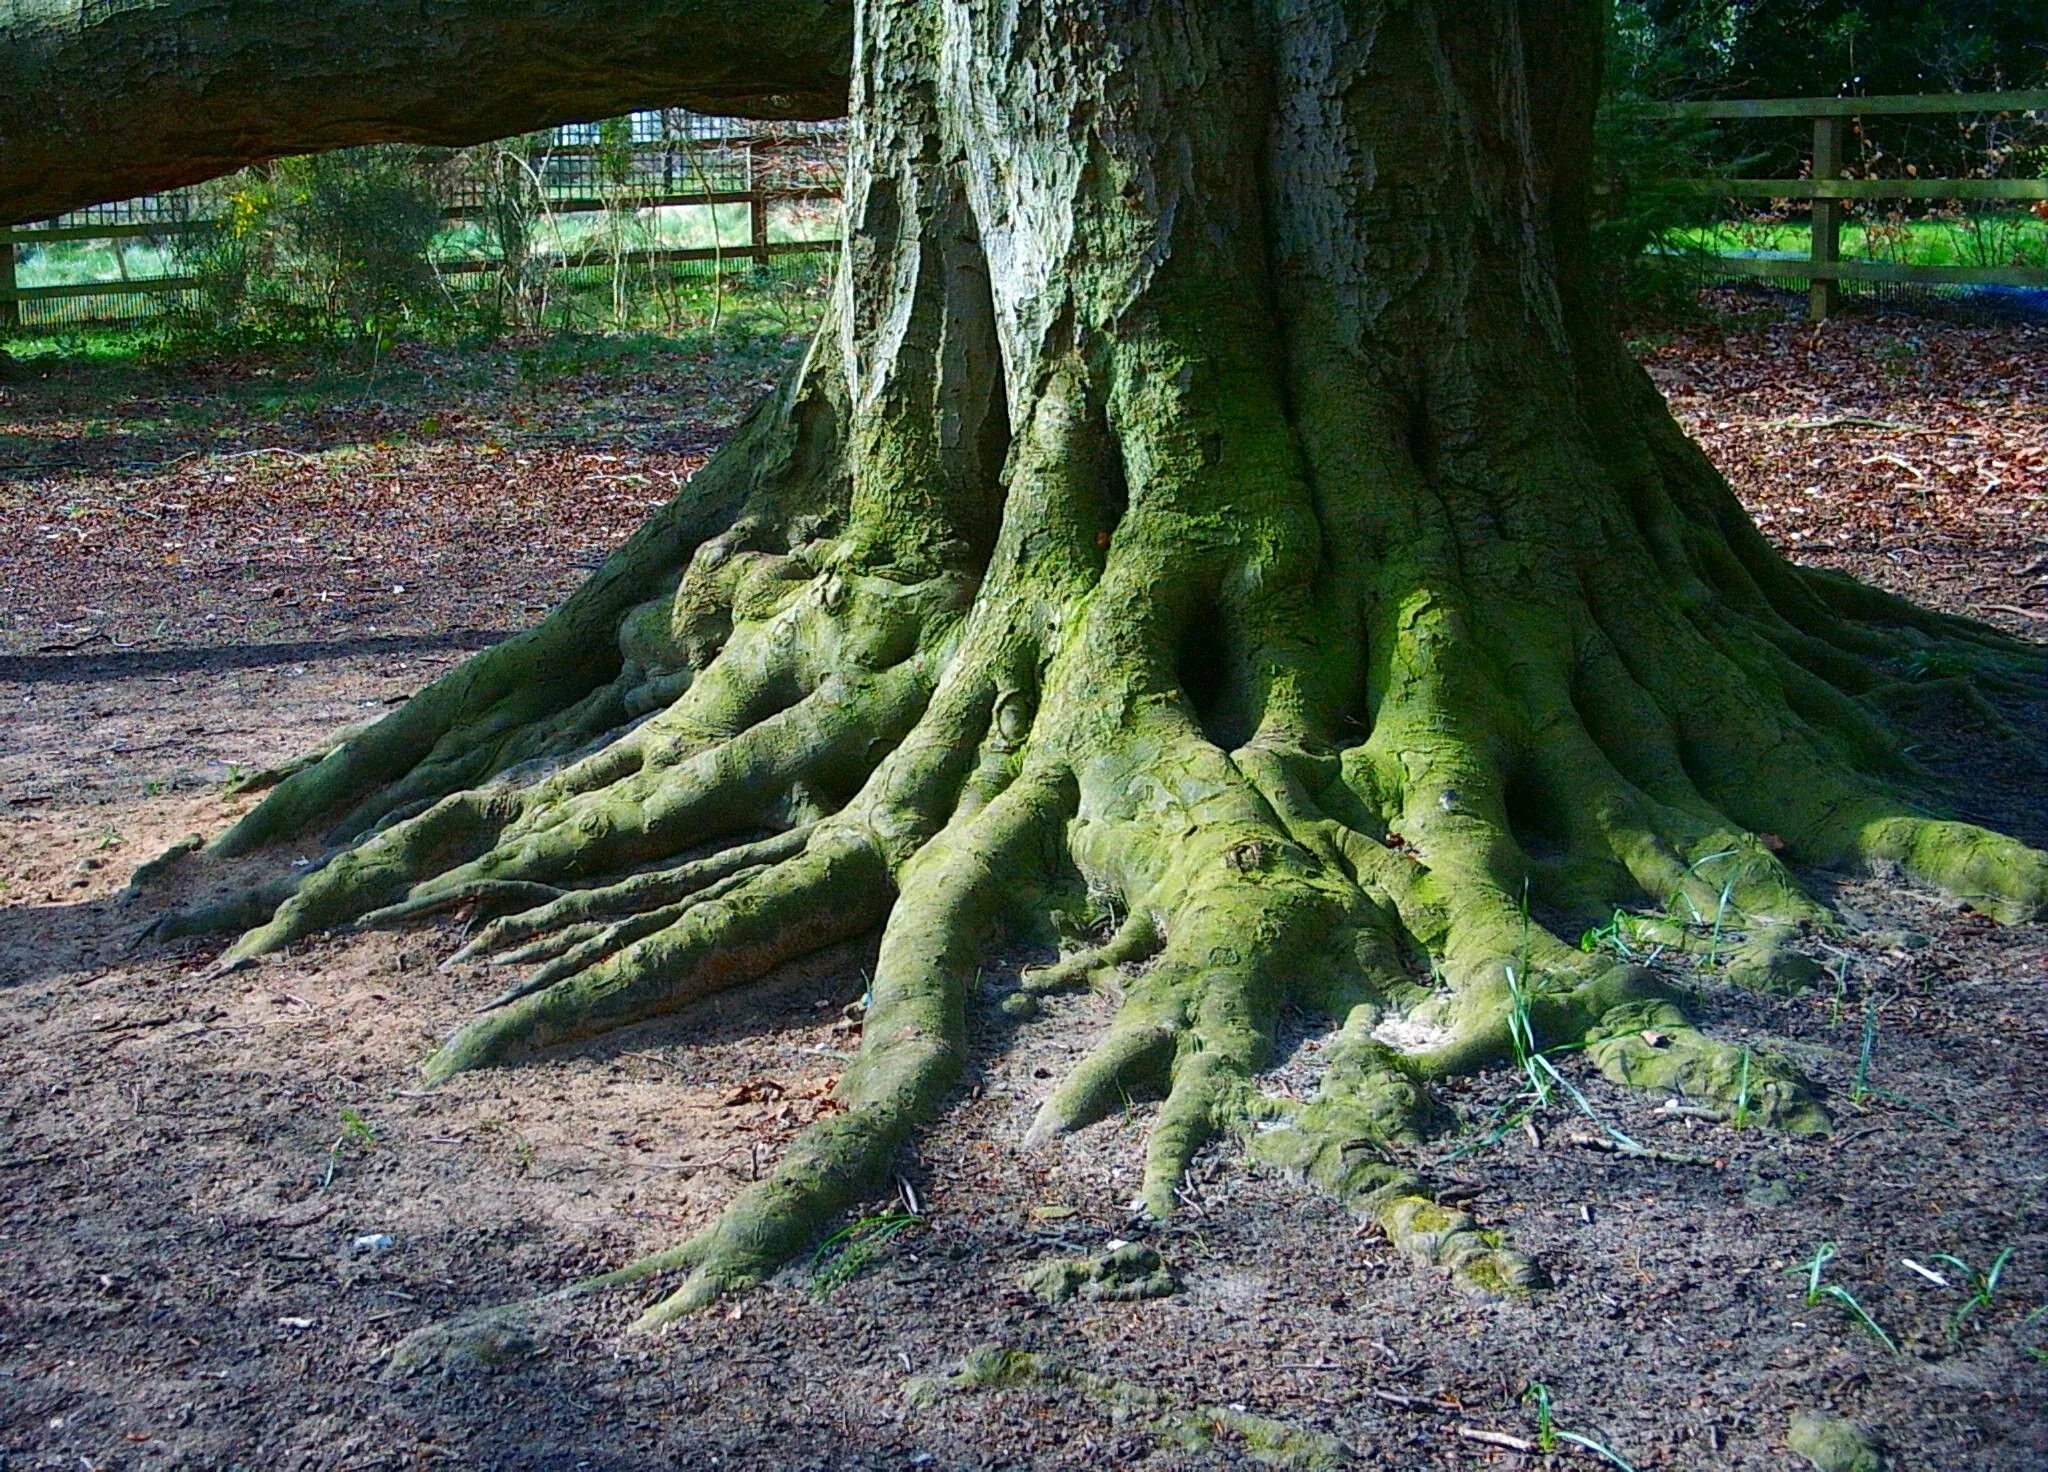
(741, 169)
(1824, 185)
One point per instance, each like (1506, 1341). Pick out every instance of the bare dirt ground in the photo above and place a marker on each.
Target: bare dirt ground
(223, 1201)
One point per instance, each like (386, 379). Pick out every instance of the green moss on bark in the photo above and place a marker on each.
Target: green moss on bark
(1216, 490)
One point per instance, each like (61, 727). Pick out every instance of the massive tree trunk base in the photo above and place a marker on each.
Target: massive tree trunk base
(1313, 589)
(797, 749)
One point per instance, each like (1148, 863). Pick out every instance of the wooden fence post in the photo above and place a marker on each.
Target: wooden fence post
(1824, 293)
(10, 305)
(757, 208)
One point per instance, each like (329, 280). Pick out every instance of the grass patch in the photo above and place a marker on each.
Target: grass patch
(845, 1254)
(1980, 238)
(1981, 1287)
(355, 1134)
(144, 393)
(1549, 1434)
(1818, 1292)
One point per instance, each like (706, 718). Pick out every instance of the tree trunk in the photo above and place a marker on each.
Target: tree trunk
(1216, 500)
(185, 90)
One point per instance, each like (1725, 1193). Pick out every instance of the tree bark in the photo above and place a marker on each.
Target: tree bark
(107, 101)
(1218, 501)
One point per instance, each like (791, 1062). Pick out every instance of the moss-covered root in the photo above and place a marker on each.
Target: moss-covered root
(1830, 1444)
(1653, 1045)
(837, 888)
(1637, 1035)
(1200, 1019)
(1127, 1274)
(1348, 1141)
(832, 740)
(1189, 1428)
(1136, 938)
(480, 842)
(911, 1051)
(637, 895)
(559, 684)
(1993, 874)
(570, 952)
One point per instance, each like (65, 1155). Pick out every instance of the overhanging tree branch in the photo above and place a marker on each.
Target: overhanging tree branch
(102, 102)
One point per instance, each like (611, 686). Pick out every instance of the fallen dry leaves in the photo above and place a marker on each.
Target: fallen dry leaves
(198, 513)
(186, 509)
(1909, 450)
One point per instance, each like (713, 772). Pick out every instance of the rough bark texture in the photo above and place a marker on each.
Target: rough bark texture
(1218, 503)
(105, 99)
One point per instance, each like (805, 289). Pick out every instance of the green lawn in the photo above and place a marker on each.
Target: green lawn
(671, 227)
(65, 262)
(575, 236)
(743, 320)
(1987, 238)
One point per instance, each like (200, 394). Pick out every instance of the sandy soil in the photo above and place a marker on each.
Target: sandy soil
(223, 1201)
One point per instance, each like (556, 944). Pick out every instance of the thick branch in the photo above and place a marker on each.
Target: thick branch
(101, 102)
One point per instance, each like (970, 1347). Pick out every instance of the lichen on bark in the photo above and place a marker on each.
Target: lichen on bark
(1218, 491)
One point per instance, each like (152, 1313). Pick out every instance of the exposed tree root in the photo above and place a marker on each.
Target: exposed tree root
(1395, 882)
(1357, 690)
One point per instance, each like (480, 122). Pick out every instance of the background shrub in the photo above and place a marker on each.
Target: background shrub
(334, 245)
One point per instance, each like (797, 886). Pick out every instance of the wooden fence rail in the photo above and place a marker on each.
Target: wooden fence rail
(1824, 186)
(1824, 269)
